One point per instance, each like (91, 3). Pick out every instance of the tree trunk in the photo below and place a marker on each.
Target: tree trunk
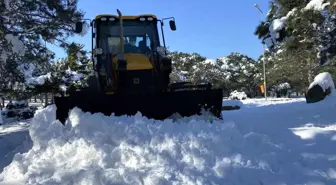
(310, 71)
(46, 99)
(310, 76)
(2, 105)
(52, 97)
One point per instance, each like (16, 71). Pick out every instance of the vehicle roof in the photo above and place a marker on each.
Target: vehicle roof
(129, 17)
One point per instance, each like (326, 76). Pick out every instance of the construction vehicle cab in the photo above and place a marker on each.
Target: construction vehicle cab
(137, 51)
(132, 73)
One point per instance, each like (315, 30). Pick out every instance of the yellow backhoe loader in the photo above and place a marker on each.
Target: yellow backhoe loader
(132, 73)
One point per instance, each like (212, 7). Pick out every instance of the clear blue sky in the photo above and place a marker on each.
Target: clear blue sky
(213, 28)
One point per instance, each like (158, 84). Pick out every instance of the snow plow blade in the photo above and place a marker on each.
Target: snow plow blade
(157, 106)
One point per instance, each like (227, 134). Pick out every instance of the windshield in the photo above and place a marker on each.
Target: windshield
(139, 37)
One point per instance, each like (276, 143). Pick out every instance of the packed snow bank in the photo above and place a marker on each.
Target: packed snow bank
(322, 86)
(232, 103)
(261, 102)
(94, 149)
(304, 135)
(271, 145)
(324, 80)
(14, 138)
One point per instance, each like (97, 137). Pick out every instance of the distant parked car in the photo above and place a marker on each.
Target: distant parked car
(19, 109)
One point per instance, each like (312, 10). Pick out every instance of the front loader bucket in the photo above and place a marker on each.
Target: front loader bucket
(157, 106)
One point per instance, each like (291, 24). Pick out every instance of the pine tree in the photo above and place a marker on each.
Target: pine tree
(26, 27)
(239, 72)
(292, 33)
(184, 65)
(233, 72)
(327, 36)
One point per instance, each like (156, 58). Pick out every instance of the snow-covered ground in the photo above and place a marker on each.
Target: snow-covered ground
(274, 142)
(14, 138)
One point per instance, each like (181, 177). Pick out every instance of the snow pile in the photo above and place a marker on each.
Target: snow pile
(288, 143)
(324, 80)
(317, 5)
(232, 103)
(14, 138)
(238, 95)
(261, 102)
(94, 149)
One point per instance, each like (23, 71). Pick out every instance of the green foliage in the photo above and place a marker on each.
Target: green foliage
(233, 72)
(184, 64)
(294, 54)
(262, 30)
(33, 24)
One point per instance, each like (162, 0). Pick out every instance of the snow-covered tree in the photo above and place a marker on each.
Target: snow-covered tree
(184, 65)
(327, 35)
(75, 69)
(292, 32)
(26, 26)
(233, 72)
(239, 72)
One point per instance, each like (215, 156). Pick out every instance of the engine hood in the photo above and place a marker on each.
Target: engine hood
(135, 61)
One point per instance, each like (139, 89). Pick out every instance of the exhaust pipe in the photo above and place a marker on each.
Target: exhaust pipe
(121, 57)
(122, 63)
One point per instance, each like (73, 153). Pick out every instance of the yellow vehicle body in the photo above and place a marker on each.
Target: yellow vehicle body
(135, 62)
(131, 76)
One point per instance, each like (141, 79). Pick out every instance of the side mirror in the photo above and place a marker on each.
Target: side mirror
(172, 25)
(79, 27)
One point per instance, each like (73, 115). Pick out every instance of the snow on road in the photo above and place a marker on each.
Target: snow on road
(14, 138)
(265, 142)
